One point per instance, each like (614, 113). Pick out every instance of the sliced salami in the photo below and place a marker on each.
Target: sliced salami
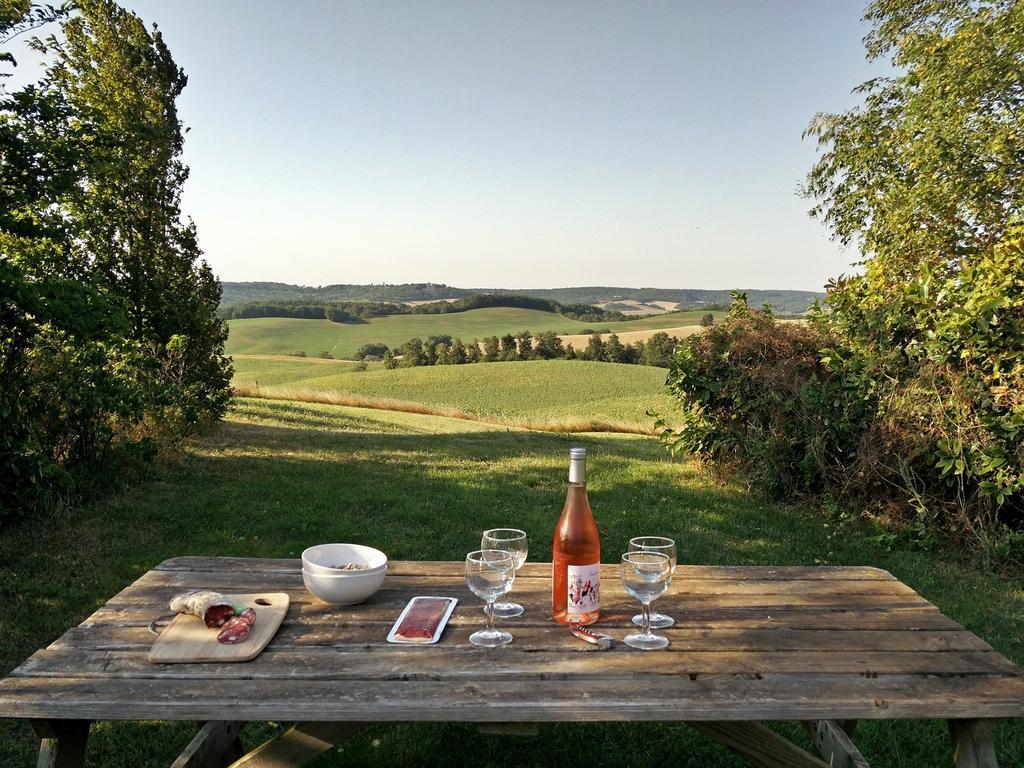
(238, 627)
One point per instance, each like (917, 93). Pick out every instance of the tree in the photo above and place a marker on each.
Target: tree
(372, 352)
(549, 346)
(457, 352)
(638, 352)
(524, 341)
(121, 85)
(570, 352)
(594, 349)
(658, 350)
(441, 354)
(390, 363)
(707, 320)
(413, 354)
(112, 344)
(629, 355)
(613, 350)
(509, 351)
(491, 349)
(473, 352)
(930, 168)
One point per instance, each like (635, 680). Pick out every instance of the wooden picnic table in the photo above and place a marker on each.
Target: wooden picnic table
(824, 645)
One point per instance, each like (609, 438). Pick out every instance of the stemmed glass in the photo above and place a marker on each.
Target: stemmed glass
(668, 547)
(489, 574)
(646, 575)
(513, 541)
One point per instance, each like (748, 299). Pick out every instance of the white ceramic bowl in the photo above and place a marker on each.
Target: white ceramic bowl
(322, 557)
(348, 588)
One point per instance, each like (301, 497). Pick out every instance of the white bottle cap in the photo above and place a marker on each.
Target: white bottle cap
(577, 465)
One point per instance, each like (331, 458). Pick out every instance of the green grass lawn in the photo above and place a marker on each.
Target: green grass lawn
(535, 391)
(277, 477)
(283, 335)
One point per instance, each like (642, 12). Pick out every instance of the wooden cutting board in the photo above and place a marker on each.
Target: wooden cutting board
(187, 640)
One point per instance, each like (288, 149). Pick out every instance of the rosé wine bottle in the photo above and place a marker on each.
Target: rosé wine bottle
(576, 552)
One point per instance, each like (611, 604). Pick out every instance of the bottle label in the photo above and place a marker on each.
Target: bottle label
(584, 585)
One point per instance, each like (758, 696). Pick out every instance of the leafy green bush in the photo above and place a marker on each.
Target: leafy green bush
(755, 400)
(942, 359)
(912, 407)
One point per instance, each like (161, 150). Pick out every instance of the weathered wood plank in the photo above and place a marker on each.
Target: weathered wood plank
(533, 569)
(62, 742)
(706, 618)
(681, 584)
(973, 746)
(544, 638)
(834, 744)
(781, 697)
(214, 746)
(758, 745)
(538, 597)
(297, 746)
(454, 663)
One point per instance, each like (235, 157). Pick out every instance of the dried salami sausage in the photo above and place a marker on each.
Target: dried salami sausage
(212, 607)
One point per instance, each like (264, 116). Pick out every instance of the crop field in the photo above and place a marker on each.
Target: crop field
(579, 341)
(284, 336)
(277, 477)
(547, 394)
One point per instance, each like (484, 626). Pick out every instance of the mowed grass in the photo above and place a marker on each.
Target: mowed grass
(283, 335)
(536, 392)
(277, 477)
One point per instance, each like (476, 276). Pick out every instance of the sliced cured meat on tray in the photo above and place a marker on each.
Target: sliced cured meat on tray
(241, 636)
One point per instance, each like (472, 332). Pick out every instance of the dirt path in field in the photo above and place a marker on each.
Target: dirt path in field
(579, 341)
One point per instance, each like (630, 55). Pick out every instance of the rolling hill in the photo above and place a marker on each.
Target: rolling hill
(283, 336)
(571, 395)
(783, 301)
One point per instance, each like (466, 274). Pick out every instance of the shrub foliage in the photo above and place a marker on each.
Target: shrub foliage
(110, 343)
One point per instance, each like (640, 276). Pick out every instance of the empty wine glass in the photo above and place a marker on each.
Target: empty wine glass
(489, 574)
(655, 544)
(513, 541)
(645, 575)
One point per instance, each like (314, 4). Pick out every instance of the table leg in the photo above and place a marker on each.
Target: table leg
(297, 746)
(972, 743)
(216, 745)
(833, 742)
(758, 745)
(62, 742)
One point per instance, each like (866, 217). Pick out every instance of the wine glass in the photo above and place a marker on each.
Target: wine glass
(646, 575)
(489, 574)
(513, 541)
(655, 544)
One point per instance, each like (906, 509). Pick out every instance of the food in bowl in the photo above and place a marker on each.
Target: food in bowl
(344, 587)
(343, 559)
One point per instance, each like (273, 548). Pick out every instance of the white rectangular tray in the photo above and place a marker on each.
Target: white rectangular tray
(440, 627)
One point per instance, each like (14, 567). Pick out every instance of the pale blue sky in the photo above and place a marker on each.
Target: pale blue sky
(513, 144)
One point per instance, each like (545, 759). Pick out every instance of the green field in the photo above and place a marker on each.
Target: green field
(537, 391)
(283, 335)
(277, 477)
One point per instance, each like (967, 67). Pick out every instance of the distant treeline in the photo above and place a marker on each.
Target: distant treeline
(360, 311)
(782, 301)
(445, 350)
